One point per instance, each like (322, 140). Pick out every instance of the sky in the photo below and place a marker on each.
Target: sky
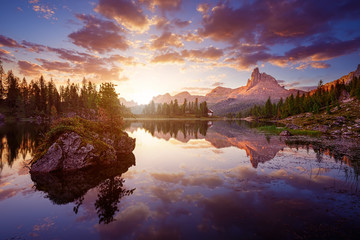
(151, 47)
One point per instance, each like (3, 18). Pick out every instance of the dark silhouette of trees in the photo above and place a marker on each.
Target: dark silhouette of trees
(44, 98)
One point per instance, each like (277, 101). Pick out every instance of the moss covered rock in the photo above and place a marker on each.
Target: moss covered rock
(76, 143)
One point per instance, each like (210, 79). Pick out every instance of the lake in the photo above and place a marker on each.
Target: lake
(186, 180)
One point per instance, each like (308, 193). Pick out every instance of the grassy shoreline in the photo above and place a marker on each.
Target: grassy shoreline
(277, 130)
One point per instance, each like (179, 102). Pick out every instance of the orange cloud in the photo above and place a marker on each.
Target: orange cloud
(203, 8)
(190, 37)
(170, 57)
(128, 61)
(45, 10)
(313, 65)
(166, 40)
(29, 69)
(201, 55)
(98, 35)
(55, 65)
(125, 12)
(5, 55)
(163, 5)
(161, 22)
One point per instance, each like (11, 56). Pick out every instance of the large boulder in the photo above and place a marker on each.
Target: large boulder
(70, 151)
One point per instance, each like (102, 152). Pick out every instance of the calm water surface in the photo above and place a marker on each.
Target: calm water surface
(184, 180)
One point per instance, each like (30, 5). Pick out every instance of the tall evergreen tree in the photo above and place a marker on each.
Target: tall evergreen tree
(13, 91)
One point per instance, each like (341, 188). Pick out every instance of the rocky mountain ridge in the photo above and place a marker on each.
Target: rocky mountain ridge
(258, 89)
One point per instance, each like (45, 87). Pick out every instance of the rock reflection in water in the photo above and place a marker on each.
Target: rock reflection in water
(67, 187)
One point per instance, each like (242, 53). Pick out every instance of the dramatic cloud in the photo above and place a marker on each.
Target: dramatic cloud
(181, 24)
(9, 42)
(98, 35)
(201, 55)
(5, 55)
(33, 47)
(129, 61)
(275, 21)
(307, 56)
(166, 40)
(322, 51)
(203, 8)
(313, 65)
(70, 55)
(191, 37)
(126, 12)
(29, 69)
(170, 57)
(161, 23)
(255, 26)
(75, 64)
(55, 65)
(163, 5)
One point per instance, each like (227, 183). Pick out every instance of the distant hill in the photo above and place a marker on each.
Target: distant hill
(223, 100)
(126, 103)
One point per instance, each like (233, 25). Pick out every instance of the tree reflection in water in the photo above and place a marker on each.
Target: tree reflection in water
(110, 193)
(18, 139)
(63, 188)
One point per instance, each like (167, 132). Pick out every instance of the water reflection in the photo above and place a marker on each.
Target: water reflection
(259, 147)
(195, 180)
(63, 188)
(18, 140)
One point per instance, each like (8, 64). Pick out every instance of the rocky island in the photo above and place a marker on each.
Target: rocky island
(77, 143)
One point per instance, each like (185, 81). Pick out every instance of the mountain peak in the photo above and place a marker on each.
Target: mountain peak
(257, 77)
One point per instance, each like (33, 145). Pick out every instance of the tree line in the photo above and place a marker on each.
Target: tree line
(321, 99)
(174, 109)
(42, 98)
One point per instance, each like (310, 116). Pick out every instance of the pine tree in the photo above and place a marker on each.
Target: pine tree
(110, 105)
(268, 109)
(43, 95)
(13, 91)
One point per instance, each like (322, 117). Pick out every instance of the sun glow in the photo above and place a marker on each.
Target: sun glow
(143, 97)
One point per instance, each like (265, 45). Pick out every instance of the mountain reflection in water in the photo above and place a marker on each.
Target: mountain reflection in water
(193, 180)
(259, 147)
